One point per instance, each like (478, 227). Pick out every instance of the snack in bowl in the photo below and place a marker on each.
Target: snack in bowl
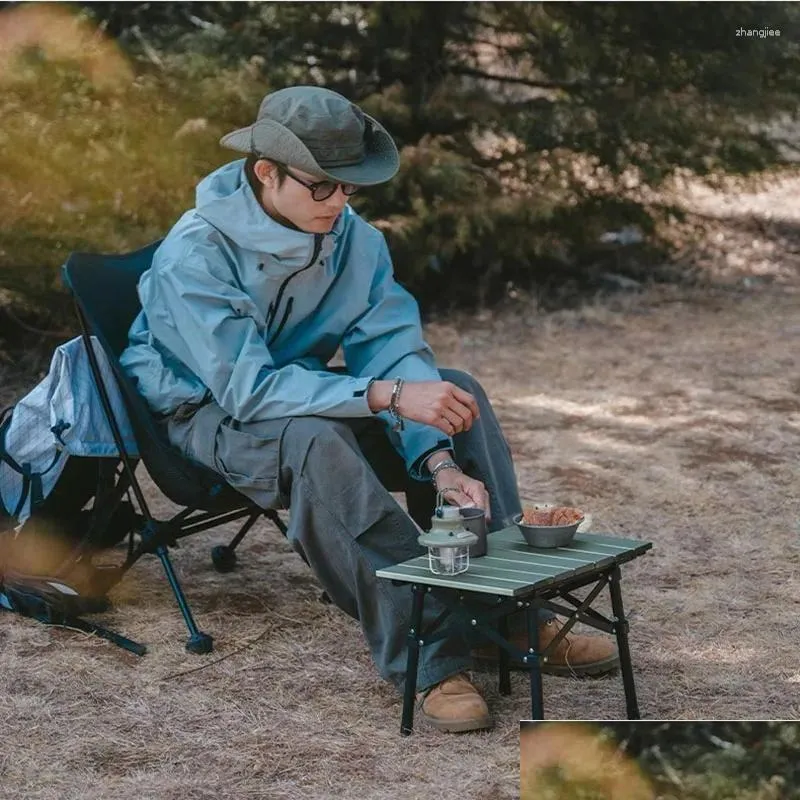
(548, 526)
(560, 515)
(537, 516)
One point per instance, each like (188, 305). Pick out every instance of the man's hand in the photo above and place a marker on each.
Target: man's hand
(440, 404)
(459, 489)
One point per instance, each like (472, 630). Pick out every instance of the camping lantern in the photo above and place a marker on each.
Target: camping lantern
(448, 541)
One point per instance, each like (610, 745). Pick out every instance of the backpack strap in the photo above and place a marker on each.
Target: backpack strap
(25, 471)
(49, 606)
(22, 469)
(5, 423)
(31, 481)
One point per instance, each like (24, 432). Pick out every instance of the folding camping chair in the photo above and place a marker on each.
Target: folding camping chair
(104, 291)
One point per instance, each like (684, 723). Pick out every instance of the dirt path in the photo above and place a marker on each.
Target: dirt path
(679, 423)
(672, 416)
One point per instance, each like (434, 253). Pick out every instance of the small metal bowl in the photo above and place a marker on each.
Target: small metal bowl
(547, 536)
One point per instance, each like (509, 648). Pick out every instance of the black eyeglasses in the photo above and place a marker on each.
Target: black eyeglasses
(321, 190)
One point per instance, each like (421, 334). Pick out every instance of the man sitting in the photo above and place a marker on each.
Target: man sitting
(249, 297)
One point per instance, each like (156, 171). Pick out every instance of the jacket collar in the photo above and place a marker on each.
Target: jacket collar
(226, 201)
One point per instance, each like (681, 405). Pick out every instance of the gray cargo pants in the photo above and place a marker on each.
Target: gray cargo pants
(336, 476)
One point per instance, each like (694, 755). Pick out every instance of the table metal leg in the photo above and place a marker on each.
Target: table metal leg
(534, 661)
(410, 691)
(621, 625)
(504, 674)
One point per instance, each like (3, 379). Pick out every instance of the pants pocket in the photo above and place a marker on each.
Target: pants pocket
(248, 457)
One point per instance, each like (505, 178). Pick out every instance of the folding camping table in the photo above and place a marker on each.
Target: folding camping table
(512, 577)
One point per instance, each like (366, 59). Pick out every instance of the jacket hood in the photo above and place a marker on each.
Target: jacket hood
(225, 200)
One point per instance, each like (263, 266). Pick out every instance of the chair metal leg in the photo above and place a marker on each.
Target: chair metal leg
(621, 627)
(198, 641)
(534, 659)
(223, 556)
(414, 632)
(272, 516)
(249, 522)
(504, 673)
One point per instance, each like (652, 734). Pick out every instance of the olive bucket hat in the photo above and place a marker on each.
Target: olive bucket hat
(320, 132)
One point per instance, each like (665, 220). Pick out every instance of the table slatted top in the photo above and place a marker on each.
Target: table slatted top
(511, 567)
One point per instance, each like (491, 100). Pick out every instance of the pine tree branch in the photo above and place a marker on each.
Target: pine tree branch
(495, 27)
(30, 328)
(535, 84)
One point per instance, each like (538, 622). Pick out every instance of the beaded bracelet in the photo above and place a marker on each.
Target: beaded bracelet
(393, 401)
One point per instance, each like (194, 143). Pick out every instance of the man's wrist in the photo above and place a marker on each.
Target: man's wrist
(379, 395)
(446, 477)
(436, 458)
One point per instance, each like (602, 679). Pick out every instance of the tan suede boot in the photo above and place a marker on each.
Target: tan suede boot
(455, 706)
(575, 655)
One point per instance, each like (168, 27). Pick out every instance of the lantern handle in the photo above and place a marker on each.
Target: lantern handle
(440, 493)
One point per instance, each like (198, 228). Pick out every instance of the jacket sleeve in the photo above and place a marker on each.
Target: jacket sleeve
(197, 315)
(386, 342)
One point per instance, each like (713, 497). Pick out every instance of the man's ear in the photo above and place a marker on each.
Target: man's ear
(265, 171)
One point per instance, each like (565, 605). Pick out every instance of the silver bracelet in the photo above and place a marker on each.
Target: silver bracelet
(448, 463)
(399, 425)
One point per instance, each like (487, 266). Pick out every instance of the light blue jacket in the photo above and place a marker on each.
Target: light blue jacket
(245, 310)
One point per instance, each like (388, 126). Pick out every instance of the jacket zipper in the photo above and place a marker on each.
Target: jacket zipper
(272, 311)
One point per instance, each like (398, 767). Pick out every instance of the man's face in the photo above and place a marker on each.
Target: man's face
(293, 201)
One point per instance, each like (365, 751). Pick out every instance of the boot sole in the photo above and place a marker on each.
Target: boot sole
(582, 670)
(457, 726)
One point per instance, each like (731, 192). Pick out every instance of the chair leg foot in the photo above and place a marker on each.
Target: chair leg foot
(223, 557)
(200, 643)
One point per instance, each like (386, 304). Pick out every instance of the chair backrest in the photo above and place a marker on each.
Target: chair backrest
(104, 290)
(104, 286)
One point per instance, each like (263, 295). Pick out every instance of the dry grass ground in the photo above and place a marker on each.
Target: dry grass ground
(672, 415)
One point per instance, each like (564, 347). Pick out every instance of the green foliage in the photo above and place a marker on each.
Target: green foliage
(554, 785)
(739, 760)
(526, 129)
(102, 168)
